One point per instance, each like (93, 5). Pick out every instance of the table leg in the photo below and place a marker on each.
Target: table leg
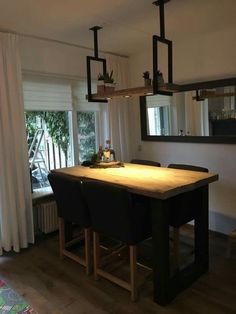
(160, 250)
(201, 231)
(167, 287)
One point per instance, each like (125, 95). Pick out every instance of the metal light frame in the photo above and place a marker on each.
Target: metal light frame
(155, 41)
(95, 58)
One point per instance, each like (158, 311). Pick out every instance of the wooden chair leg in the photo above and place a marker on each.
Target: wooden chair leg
(62, 243)
(176, 235)
(96, 254)
(87, 236)
(133, 272)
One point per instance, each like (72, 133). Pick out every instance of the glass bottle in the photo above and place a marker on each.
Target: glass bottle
(100, 155)
(112, 152)
(107, 153)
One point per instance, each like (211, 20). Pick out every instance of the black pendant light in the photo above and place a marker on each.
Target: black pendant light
(156, 40)
(97, 59)
(158, 86)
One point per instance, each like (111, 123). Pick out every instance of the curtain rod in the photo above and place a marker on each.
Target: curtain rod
(2, 30)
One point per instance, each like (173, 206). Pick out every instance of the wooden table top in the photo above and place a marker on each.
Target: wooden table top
(156, 182)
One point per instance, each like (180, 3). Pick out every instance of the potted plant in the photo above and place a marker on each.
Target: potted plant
(147, 80)
(109, 82)
(100, 84)
(160, 78)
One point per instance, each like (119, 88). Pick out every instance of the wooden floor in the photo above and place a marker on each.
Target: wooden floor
(54, 286)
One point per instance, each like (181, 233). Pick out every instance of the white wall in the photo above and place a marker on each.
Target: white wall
(55, 58)
(211, 56)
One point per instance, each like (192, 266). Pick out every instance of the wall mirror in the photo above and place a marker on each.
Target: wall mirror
(206, 116)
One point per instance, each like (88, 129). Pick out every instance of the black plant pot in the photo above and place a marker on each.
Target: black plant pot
(147, 82)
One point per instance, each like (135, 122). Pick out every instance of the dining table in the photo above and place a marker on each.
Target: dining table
(162, 186)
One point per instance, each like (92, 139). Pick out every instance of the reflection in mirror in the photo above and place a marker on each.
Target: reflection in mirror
(222, 112)
(158, 115)
(183, 115)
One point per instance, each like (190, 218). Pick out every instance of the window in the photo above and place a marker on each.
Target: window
(63, 129)
(158, 108)
(92, 125)
(48, 143)
(158, 120)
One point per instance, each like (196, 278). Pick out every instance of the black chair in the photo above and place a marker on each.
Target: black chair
(188, 167)
(72, 211)
(180, 203)
(114, 214)
(145, 162)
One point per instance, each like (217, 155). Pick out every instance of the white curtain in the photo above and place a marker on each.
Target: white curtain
(118, 109)
(16, 222)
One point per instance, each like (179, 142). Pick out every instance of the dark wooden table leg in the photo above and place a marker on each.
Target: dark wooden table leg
(160, 250)
(201, 231)
(167, 287)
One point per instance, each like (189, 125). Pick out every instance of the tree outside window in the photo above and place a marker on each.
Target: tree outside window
(86, 134)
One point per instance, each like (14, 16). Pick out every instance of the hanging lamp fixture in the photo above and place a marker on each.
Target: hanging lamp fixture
(90, 98)
(169, 86)
(157, 87)
(156, 40)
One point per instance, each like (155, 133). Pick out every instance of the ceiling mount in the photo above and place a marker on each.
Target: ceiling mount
(158, 2)
(95, 29)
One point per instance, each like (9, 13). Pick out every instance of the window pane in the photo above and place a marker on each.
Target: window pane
(158, 120)
(86, 134)
(48, 143)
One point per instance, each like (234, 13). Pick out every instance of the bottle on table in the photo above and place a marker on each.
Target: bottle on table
(100, 154)
(109, 153)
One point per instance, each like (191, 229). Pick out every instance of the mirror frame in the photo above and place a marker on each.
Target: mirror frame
(170, 138)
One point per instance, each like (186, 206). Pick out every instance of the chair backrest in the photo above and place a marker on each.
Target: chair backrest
(184, 206)
(145, 162)
(113, 213)
(69, 198)
(188, 167)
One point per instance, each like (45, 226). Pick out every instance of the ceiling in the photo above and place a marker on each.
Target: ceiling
(128, 25)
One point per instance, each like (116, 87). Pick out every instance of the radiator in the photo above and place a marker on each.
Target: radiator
(47, 217)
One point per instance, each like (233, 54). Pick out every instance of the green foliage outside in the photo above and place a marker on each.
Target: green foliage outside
(56, 123)
(86, 131)
(57, 127)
